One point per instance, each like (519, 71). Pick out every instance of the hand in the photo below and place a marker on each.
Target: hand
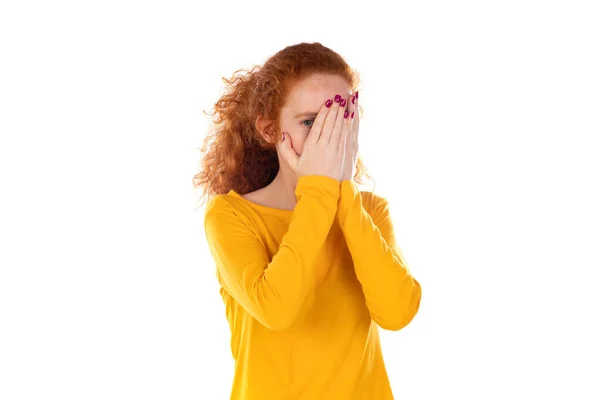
(351, 152)
(323, 152)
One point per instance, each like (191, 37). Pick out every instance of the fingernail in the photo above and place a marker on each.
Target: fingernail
(282, 137)
(343, 103)
(346, 114)
(328, 103)
(337, 98)
(353, 99)
(357, 94)
(352, 116)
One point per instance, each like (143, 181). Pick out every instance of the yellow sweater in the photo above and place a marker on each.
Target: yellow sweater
(305, 289)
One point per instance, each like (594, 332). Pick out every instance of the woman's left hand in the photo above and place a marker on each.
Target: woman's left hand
(351, 153)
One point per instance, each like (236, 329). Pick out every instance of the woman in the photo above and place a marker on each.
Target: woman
(307, 263)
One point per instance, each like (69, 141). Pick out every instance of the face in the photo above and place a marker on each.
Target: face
(303, 103)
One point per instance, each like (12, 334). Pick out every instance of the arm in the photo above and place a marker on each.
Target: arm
(273, 291)
(392, 294)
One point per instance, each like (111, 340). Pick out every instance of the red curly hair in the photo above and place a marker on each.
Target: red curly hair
(236, 156)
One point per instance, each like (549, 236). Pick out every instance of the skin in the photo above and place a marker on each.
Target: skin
(307, 95)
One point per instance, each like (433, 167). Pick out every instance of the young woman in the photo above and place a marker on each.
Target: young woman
(307, 263)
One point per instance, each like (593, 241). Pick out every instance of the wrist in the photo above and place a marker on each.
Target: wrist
(346, 199)
(345, 177)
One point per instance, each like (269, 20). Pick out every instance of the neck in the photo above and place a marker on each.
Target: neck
(284, 187)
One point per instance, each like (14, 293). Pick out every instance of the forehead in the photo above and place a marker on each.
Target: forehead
(310, 93)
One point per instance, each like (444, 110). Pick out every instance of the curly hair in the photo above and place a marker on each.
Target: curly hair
(235, 155)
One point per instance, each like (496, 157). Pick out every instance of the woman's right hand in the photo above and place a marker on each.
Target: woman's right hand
(323, 152)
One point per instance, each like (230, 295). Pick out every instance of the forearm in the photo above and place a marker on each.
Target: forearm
(392, 294)
(273, 291)
(291, 273)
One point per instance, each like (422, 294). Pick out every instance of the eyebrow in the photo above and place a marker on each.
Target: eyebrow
(306, 114)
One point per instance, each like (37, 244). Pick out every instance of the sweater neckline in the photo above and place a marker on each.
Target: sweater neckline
(279, 211)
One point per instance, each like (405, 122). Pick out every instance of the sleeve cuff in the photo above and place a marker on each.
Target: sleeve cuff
(318, 185)
(350, 198)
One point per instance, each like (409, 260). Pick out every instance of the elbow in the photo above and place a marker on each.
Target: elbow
(275, 310)
(277, 324)
(403, 313)
(394, 323)
(277, 320)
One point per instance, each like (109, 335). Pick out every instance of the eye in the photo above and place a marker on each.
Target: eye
(308, 120)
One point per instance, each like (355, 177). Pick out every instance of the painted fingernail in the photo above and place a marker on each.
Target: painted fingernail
(343, 103)
(353, 99)
(346, 114)
(337, 98)
(328, 103)
(357, 94)
(352, 116)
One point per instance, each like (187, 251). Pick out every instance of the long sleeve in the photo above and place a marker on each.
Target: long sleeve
(392, 294)
(273, 291)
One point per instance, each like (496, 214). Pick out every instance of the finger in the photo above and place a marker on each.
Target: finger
(356, 117)
(353, 109)
(317, 127)
(336, 134)
(353, 104)
(330, 120)
(345, 135)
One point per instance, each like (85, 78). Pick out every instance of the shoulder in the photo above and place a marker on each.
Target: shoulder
(224, 208)
(219, 203)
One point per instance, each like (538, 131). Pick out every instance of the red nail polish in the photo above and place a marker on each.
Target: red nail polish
(353, 99)
(328, 103)
(352, 116)
(337, 98)
(346, 114)
(357, 94)
(343, 103)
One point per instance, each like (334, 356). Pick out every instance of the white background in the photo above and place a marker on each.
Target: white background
(481, 128)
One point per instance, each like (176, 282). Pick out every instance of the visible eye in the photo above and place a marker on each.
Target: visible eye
(308, 120)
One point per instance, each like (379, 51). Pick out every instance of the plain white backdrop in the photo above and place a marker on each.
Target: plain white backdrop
(481, 128)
